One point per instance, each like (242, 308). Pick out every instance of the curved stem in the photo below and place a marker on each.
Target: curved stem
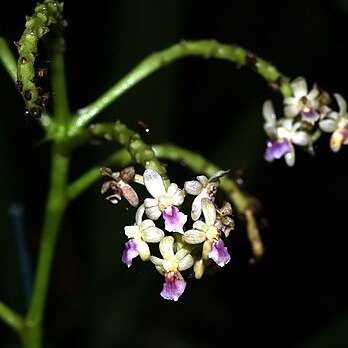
(56, 204)
(202, 48)
(11, 318)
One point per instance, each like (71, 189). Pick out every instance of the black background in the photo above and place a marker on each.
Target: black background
(296, 296)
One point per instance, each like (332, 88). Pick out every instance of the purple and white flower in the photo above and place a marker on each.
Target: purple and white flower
(303, 102)
(170, 266)
(283, 134)
(336, 123)
(208, 233)
(164, 202)
(203, 188)
(141, 233)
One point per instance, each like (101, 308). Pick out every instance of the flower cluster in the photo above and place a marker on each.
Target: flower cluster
(159, 220)
(306, 115)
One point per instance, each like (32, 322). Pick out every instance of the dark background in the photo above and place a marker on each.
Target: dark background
(296, 296)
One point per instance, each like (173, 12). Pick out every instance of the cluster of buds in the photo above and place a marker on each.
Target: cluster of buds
(306, 114)
(160, 221)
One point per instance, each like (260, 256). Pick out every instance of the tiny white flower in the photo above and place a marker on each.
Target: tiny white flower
(302, 102)
(164, 202)
(203, 188)
(336, 123)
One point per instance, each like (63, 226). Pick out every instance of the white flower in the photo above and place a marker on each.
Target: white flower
(171, 262)
(336, 123)
(164, 201)
(302, 102)
(141, 233)
(203, 188)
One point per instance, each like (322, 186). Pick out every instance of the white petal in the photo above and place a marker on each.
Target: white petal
(166, 247)
(341, 103)
(156, 260)
(154, 183)
(209, 211)
(300, 138)
(151, 208)
(327, 125)
(268, 112)
(152, 235)
(203, 180)
(139, 214)
(291, 110)
(143, 250)
(176, 194)
(196, 209)
(299, 87)
(200, 226)
(290, 158)
(186, 263)
(180, 254)
(193, 187)
(194, 237)
(132, 231)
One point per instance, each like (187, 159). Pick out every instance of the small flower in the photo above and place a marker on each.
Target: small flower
(164, 202)
(302, 102)
(337, 123)
(141, 233)
(224, 220)
(203, 188)
(207, 233)
(170, 266)
(283, 133)
(119, 184)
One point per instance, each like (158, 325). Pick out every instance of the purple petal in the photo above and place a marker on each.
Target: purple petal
(219, 253)
(173, 287)
(174, 220)
(276, 149)
(129, 253)
(310, 116)
(345, 136)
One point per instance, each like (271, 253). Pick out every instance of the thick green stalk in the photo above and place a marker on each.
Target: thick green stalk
(203, 48)
(61, 110)
(56, 204)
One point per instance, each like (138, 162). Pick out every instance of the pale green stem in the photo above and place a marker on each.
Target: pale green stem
(56, 204)
(157, 60)
(11, 318)
(7, 59)
(59, 89)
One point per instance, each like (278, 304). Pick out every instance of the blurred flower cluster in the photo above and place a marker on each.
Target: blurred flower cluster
(306, 115)
(172, 240)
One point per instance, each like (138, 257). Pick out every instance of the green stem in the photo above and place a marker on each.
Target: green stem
(140, 152)
(11, 318)
(56, 204)
(7, 59)
(59, 88)
(157, 60)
